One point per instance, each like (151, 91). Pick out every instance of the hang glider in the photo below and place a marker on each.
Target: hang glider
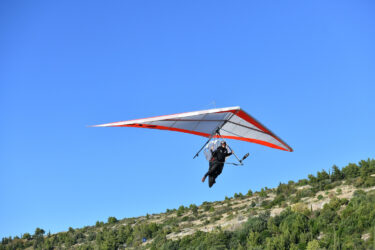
(230, 123)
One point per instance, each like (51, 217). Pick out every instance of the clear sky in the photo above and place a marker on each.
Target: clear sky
(305, 69)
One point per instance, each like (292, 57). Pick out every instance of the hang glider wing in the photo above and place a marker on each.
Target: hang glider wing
(232, 123)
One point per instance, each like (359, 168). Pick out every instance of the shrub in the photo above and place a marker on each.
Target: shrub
(206, 207)
(286, 189)
(301, 208)
(266, 204)
(26, 236)
(253, 204)
(239, 195)
(313, 245)
(359, 182)
(302, 182)
(306, 192)
(215, 218)
(331, 195)
(263, 193)
(230, 216)
(278, 200)
(180, 210)
(194, 209)
(369, 182)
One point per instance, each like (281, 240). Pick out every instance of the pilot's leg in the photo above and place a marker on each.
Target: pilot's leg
(211, 180)
(211, 170)
(216, 172)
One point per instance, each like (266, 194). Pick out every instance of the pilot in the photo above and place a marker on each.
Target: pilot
(216, 164)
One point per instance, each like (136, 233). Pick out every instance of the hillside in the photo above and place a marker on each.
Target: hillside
(334, 210)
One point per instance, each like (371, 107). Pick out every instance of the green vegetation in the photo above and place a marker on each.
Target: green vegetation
(293, 229)
(112, 220)
(340, 224)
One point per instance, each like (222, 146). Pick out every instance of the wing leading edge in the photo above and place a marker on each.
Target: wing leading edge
(232, 122)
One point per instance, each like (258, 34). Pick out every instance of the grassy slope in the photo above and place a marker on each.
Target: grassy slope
(321, 204)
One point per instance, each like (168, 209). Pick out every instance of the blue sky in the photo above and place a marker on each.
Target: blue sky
(305, 69)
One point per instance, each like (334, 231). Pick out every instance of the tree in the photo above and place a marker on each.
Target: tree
(351, 171)
(336, 174)
(249, 193)
(112, 220)
(180, 210)
(312, 179)
(303, 182)
(194, 209)
(321, 176)
(365, 168)
(239, 195)
(39, 232)
(38, 236)
(26, 236)
(263, 193)
(286, 189)
(6, 240)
